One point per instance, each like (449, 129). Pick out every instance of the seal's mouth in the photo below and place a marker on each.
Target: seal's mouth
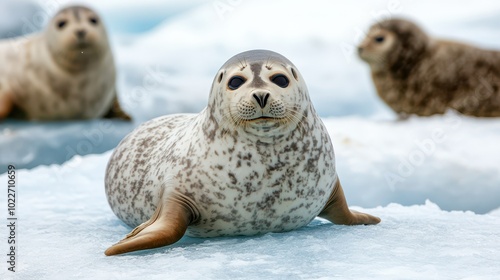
(83, 45)
(266, 122)
(265, 118)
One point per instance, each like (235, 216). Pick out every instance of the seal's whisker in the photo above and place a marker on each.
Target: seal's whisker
(269, 66)
(227, 121)
(380, 59)
(242, 64)
(296, 116)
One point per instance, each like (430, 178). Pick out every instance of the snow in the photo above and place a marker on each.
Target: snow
(452, 160)
(435, 182)
(65, 224)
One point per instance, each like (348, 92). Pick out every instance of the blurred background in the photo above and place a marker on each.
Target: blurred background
(167, 53)
(171, 49)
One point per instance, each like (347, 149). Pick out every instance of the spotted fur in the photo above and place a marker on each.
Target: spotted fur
(240, 169)
(416, 74)
(65, 72)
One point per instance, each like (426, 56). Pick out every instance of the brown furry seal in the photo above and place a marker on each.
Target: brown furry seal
(416, 74)
(65, 72)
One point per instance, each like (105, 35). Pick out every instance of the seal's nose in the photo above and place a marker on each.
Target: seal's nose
(360, 50)
(81, 33)
(261, 98)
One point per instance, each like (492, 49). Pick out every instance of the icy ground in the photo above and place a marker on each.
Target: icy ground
(167, 53)
(452, 160)
(65, 224)
(27, 145)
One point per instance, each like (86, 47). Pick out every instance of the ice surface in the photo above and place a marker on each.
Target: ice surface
(27, 145)
(452, 160)
(65, 224)
(167, 53)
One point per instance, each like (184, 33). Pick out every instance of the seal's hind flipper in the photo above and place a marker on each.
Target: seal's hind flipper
(116, 112)
(337, 211)
(167, 225)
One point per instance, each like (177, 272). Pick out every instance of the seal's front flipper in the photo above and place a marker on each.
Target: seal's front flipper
(116, 112)
(167, 225)
(6, 105)
(337, 212)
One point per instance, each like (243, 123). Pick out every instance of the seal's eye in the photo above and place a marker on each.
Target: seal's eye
(235, 82)
(379, 39)
(61, 24)
(93, 20)
(281, 80)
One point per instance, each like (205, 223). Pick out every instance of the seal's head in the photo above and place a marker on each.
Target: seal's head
(76, 37)
(393, 43)
(261, 93)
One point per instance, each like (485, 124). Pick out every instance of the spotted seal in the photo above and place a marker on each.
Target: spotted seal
(65, 72)
(416, 74)
(257, 159)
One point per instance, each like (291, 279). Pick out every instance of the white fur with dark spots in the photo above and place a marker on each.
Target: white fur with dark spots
(238, 175)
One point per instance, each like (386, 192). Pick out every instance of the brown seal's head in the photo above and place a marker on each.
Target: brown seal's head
(76, 37)
(259, 92)
(393, 45)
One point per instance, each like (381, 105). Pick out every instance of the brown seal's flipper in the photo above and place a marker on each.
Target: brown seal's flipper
(403, 117)
(167, 225)
(6, 105)
(337, 212)
(116, 112)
